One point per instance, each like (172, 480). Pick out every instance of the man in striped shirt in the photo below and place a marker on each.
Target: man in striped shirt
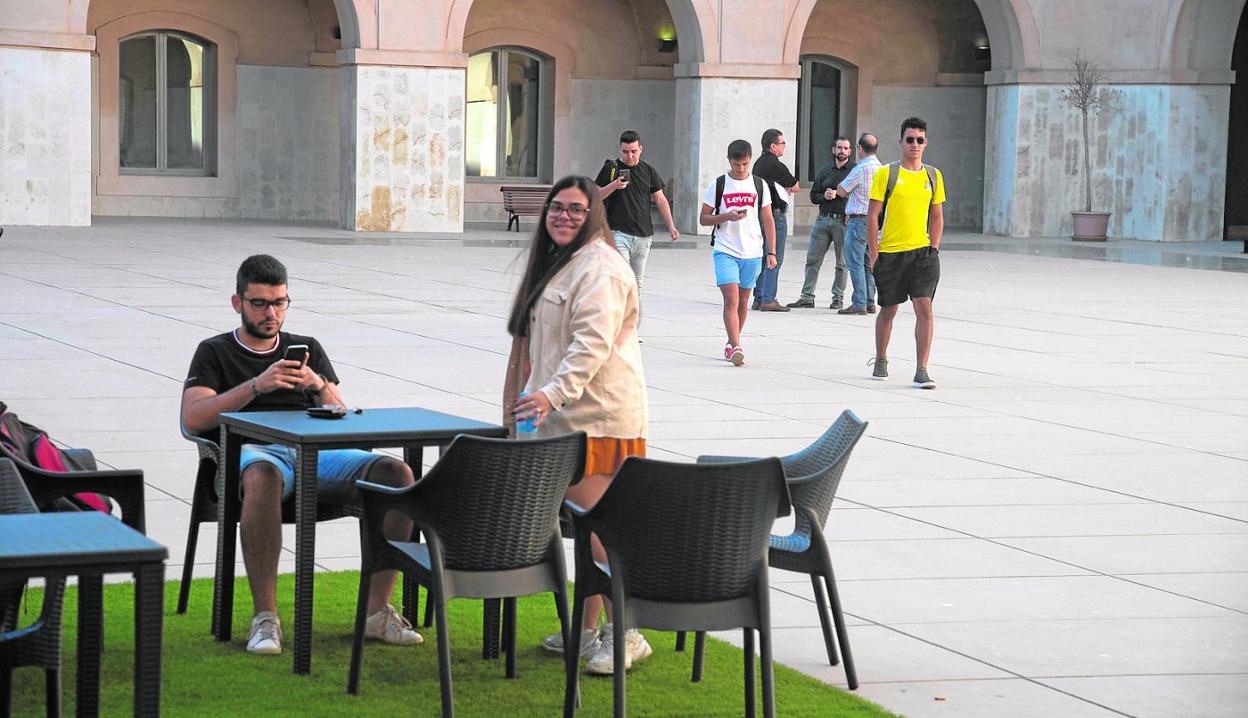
(857, 187)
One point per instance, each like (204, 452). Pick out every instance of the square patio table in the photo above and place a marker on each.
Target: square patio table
(411, 429)
(90, 544)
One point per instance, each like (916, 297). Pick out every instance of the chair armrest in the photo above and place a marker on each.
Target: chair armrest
(124, 487)
(708, 459)
(574, 508)
(83, 457)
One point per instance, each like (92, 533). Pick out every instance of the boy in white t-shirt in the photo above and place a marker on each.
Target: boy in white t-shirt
(740, 218)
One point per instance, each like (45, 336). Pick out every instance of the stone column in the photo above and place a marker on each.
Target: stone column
(713, 111)
(45, 136)
(1158, 162)
(402, 159)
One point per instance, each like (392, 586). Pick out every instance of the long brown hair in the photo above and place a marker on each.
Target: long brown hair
(546, 258)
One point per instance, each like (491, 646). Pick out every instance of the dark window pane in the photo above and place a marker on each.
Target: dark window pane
(137, 102)
(523, 94)
(184, 76)
(825, 113)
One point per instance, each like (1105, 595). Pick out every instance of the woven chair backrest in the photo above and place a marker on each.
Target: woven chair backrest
(824, 460)
(691, 532)
(494, 503)
(14, 499)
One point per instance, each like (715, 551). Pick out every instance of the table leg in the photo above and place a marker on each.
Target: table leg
(90, 643)
(228, 510)
(305, 554)
(148, 613)
(413, 456)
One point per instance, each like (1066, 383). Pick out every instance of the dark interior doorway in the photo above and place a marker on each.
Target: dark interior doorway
(1237, 143)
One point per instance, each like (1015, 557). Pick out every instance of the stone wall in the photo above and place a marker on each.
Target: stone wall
(286, 153)
(955, 126)
(1158, 162)
(45, 137)
(602, 109)
(402, 158)
(711, 113)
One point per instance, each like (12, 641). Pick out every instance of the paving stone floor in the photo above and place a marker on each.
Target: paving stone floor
(1061, 529)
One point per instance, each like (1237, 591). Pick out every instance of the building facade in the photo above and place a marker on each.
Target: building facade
(408, 115)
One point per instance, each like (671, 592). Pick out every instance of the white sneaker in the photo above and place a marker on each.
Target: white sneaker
(636, 649)
(390, 626)
(589, 642)
(266, 634)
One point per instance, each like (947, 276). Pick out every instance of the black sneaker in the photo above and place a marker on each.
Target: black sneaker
(880, 373)
(836, 304)
(922, 380)
(801, 304)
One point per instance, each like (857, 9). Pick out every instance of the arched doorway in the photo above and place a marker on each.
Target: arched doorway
(1237, 144)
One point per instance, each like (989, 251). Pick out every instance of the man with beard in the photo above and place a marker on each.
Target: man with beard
(829, 228)
(245, 370)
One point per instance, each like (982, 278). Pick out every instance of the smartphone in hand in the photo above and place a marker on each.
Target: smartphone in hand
(626, 175)
(297, 352)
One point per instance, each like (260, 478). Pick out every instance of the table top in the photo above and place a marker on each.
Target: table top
(71, 539)
(378, 426)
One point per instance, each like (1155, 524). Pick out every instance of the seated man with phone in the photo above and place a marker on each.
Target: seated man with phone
(259, 367)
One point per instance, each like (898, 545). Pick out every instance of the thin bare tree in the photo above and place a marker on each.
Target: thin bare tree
(1087, 93)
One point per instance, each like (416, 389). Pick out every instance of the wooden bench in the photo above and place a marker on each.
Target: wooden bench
(523, 200)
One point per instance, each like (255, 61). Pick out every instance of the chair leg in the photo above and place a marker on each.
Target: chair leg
(188, 563)
(357, 637)
(851, 673)
(769, 690)
(680, 641)
(618, 627)
(509, 634)
(428, 609)
(444, 654)
(490, 627)
(699, 652)
(749, 672)
(572, 658)
(821, 603)
(53, 690)
(6, 692)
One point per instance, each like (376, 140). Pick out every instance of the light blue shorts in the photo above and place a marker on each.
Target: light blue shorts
(336, 470)
(730, 270)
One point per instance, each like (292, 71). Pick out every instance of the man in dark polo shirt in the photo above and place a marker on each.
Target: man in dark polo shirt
(829, 228)
(782, 184)
(627, 186)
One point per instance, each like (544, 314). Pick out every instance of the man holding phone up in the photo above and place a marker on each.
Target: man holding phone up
(258, 367)
(627, 186)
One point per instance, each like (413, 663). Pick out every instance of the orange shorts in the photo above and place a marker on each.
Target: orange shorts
(604, 454)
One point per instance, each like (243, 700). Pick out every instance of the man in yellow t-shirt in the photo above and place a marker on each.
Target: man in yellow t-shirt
(906, 260)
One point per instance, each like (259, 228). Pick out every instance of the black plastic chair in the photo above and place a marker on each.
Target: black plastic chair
(687, 550)
(814, 473)
(489, 513)
(38, 644)
(204, 505)
(124, 487)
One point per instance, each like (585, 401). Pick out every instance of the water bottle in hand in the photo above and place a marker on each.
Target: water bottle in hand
(526, 426)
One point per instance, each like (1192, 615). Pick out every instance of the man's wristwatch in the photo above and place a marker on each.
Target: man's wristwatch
(324, 383)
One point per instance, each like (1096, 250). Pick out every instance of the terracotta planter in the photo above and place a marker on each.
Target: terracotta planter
(1090, 226)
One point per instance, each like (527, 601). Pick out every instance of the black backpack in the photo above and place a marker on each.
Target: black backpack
(719, 196)
(893, 168)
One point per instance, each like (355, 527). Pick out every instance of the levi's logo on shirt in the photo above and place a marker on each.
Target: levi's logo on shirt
(741, 200)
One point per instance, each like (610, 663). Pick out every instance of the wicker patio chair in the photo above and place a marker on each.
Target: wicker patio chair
(687, 550)
(38, 644)
(489, 513)
(124, 487)
(814, 473)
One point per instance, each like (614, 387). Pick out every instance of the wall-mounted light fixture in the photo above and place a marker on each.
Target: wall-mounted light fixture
(666, 44)
(983, 52)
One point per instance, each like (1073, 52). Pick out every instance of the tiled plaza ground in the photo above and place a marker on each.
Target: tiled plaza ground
(1061, 529)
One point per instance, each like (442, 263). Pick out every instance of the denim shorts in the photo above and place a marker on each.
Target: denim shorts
(730, 270)
(337, 470)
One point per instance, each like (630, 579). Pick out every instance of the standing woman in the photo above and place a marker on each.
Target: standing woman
(575, 353)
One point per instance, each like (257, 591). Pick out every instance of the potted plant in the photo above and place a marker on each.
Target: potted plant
(1086, 93)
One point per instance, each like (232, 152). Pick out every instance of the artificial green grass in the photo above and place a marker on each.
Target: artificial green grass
(202, 677)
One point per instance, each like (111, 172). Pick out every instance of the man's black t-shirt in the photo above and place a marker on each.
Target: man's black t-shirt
(772, 170)
(223, 362)
(628, 209)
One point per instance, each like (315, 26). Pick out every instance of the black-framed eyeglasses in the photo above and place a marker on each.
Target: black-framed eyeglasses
(260, 305)
(916, 140)
(575, 211)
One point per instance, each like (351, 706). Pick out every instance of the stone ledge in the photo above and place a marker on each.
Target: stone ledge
(47, 40)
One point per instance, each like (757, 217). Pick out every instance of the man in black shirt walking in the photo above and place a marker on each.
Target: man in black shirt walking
(782, 184)
(829, 228)
(627, 186)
